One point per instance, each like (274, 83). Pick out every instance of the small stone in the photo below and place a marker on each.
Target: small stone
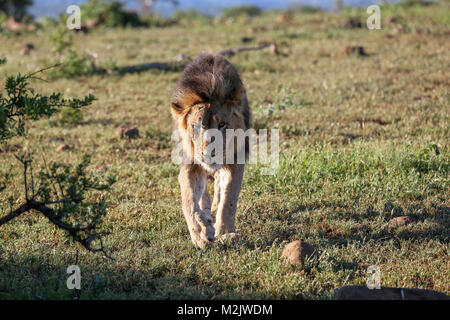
(92, 23)
(348, 50)
(63, 147)
(392, 20)
(298, 251)
(247, 39)
(128, 131)
(182, 57)
(386, 293)
(13, 24)
(101, 169)
(394, 32)
(400, 222)
(353, 23)
(284, 17)
(26, 49)
(83, 29)
(273, 48)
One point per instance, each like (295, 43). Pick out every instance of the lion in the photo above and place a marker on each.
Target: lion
(210, 97)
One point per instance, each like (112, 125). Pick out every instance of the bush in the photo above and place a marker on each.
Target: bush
(72, 64)
(47, 22)
(305, 9)
(191, 16)
(238, 11)
(68, 205)
(109, 13)
(415, 3)
(71, 117)
(16, 8)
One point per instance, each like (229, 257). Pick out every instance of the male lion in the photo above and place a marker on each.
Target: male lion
(210, 95)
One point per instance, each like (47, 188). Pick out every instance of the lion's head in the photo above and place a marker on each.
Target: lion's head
(210, 100)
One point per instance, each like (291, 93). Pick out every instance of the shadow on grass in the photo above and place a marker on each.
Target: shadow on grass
(162, 66)
(437, 226)
(32, 278)
(102, 122)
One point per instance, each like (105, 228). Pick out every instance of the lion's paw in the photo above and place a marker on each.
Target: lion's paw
(231, 237)
(206, 227)
(202, 243)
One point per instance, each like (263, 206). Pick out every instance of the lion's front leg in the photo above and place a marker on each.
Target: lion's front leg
(230, 186)
(192, 179)
(216, 197)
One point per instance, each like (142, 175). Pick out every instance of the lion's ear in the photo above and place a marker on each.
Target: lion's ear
(179, 114)
(235, 99)
(176, 109)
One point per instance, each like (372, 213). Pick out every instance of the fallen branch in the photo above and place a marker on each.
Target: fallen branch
(65, 202)
(144, 67)
(182, 62)
(56, 219)
(231, 52)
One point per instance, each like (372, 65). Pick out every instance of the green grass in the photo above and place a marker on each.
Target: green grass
(363, 139)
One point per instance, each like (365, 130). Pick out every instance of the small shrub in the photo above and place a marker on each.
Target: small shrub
(190, 15)
(72, 64)
(71, 117)
(16, 8)
(71, 206)
(109, 13)
(239, 11)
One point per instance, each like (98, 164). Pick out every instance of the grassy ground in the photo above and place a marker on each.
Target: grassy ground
(363, 139)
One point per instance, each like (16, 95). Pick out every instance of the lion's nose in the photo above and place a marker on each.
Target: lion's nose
(212, 154)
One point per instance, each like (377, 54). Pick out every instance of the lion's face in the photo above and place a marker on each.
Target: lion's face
(210, 100)
(207, 126)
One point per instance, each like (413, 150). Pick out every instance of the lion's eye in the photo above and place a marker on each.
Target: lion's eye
(222, 125)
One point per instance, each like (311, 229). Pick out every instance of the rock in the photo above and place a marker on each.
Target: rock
(298, 251)
(395, 32)
(348, 50)
(182, 57)
(273, 48)
(393, 20)
(285, 17)
(26, 49)
(101, 168)
(247, 39)
(386, 293)
(83, 29)
(353, 23)
(12, 24)
(400, 222)
(128, 131)
(92, 23)
(63, 147)
(32, 27)
(17, 25)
